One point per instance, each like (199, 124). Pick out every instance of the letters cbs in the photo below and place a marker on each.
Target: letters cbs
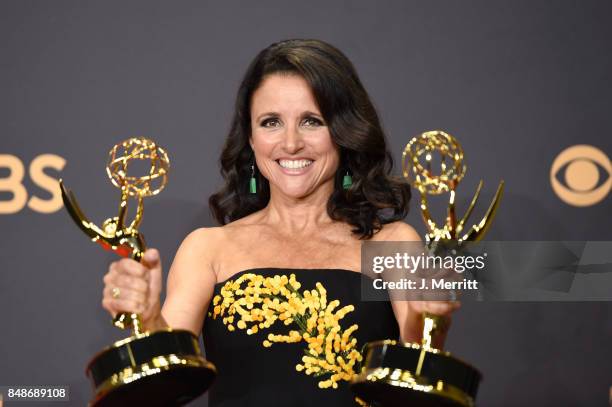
(13, 183)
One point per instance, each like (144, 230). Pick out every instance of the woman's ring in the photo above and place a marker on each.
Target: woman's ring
(116, 292)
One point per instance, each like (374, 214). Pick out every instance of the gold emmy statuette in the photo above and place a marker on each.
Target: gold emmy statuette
(158, 368)
(403, 374)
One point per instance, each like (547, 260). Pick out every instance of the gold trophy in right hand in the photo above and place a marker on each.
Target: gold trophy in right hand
(156, 368)
(404, 374)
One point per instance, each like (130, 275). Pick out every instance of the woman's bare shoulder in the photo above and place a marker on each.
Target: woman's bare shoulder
(202, 235)
(216, 237)
(239, 227)
(397, 231)
(198, 246)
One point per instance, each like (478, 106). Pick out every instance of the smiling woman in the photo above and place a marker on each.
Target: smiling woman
(307, 95)
(292, 145)
(276, 288)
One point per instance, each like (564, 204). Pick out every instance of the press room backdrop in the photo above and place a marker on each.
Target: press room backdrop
(517, 82)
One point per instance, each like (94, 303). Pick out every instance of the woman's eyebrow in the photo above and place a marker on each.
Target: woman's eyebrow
(276, 114)
(309, 113)
(258, 118)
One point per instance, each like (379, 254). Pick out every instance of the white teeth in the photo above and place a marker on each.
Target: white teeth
(294, 164)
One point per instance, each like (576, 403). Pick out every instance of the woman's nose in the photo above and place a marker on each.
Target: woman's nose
(292, 140)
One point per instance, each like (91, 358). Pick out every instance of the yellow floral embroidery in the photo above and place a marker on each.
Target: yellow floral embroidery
(253, 302)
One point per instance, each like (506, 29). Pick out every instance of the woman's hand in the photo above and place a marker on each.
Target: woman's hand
(442, 308)
(133, 287)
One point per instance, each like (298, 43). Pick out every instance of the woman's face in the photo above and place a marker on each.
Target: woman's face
(291, 141)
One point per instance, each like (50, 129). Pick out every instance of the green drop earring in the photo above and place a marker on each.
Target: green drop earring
(347, 181)
(252, 181)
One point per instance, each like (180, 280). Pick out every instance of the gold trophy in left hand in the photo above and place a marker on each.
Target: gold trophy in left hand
(402, 374)
(159, 368)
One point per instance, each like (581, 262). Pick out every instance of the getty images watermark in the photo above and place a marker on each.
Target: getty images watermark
(491, 271)
(411, 271)
(429, 264)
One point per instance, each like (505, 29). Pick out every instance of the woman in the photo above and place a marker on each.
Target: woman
(307, 179)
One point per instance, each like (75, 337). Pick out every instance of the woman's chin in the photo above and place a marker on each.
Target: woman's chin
(295, 191)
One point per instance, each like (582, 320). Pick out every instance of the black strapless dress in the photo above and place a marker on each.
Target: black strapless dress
(251, 374)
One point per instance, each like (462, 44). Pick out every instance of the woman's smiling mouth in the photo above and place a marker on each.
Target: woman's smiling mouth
(294, 167)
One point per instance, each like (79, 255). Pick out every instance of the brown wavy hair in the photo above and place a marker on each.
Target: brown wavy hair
(375, 197)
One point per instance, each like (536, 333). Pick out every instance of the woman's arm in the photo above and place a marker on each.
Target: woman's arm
(191, 283)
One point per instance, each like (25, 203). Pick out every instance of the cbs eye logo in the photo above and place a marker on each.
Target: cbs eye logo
(581, 175)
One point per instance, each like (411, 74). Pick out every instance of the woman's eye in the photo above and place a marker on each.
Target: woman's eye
(312, 121)
(271, 122)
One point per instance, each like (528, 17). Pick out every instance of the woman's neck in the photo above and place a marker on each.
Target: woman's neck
(298, 216)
